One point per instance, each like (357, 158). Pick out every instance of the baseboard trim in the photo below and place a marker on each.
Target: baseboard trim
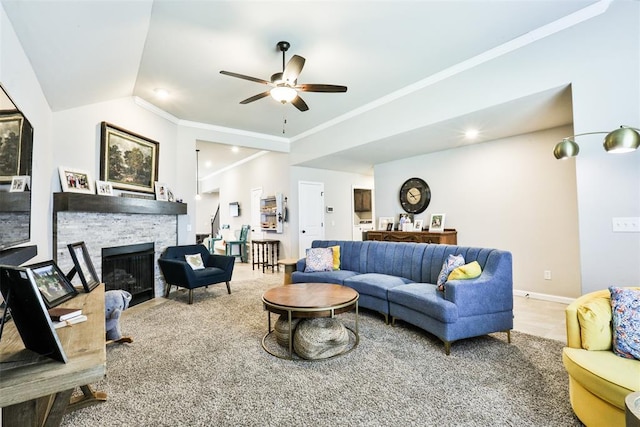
(544, 297)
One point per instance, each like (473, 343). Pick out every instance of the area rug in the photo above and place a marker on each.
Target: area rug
(203, 365)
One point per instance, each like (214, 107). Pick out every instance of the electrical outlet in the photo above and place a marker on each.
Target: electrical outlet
(626, 224)
(547, 275)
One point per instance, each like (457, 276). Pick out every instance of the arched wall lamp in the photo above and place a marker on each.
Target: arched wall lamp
(622, 140)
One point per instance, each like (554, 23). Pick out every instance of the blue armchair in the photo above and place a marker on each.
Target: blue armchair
(176, 270)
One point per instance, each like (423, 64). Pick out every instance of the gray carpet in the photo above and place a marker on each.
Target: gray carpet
(203, 365)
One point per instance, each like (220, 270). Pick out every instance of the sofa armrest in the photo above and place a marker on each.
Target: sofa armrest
(220, 261)
(301, 264)
(176, 271)
(492, 292)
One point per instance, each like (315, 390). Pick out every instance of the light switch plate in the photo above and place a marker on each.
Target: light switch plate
(626, 224)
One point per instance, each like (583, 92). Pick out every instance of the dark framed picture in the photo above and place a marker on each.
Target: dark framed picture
(127, 160)
(10, 146)
(52, 283)
(83, 266)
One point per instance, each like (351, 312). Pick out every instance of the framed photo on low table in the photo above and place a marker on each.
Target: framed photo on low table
(83, 266)
(52, 283)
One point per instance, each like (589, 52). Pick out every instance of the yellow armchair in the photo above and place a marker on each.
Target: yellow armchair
(599, 380)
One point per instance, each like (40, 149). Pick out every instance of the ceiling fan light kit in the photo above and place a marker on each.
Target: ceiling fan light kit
(284, 85)
(622, 140)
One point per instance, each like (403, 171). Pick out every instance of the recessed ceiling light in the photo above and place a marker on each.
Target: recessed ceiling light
(235, 149)
(471, 134)
(161, 93)
(207, 164)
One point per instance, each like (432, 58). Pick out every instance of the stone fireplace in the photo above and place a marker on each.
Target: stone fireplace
(107, 222)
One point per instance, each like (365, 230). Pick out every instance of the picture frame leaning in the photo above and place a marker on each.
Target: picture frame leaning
(436, 223)
(83, 266)
(128, 160)
(52, 283)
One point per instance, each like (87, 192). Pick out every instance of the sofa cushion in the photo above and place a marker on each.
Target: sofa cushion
(195, 261)
(319, 259)
(625, 308)
(450, 264)
(424, 298)
(374, 284)
(335, 276)
(467, 271)
(336, 256)
(603, 373)
(594, 318)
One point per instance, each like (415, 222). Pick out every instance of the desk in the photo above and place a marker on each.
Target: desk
(266, 255)
(36, 390)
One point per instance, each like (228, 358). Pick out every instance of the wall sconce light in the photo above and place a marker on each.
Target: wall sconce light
(622, 140)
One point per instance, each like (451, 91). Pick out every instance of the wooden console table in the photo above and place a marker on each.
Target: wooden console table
(449, 236)
(36, 390)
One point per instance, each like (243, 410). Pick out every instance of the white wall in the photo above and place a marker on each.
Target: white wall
(206, 209)
(338, 193)
(495, 196)
(600, 59)
(19, 80)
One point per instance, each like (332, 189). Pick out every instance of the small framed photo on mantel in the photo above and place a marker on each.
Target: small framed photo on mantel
(436, 223)
(19, 183)
(75, 180)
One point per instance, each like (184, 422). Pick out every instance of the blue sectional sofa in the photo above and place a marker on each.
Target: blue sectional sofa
(399, 280)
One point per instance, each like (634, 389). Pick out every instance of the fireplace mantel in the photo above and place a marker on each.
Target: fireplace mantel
(78, 202)
(108, 221)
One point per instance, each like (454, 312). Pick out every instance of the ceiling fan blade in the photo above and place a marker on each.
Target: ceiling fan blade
(320, 88)
(242, 76)
(300, 104)
(293, 68)
(255, 97)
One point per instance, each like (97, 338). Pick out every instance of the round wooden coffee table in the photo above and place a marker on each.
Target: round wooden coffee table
(309, 300)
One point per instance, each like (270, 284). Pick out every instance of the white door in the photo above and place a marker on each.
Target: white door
(311, 211)
(256, 229)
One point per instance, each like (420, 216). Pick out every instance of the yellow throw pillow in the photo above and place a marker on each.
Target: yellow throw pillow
(594, 318)
(336, 257)
(467, 271)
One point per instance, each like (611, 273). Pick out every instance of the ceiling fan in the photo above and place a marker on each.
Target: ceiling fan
(284, 85)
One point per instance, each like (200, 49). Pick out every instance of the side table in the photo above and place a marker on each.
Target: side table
(268, 252)
(289, 267)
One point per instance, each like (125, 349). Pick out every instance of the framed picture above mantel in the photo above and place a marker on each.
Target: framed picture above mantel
(127, 160)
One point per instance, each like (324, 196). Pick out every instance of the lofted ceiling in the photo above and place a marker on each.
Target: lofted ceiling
(85, 52)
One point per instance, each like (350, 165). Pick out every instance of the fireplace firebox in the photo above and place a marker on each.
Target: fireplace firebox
(130, 268)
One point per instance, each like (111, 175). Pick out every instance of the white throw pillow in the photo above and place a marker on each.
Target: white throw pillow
(195, 261)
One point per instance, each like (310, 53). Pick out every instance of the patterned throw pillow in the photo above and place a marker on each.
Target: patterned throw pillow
(195, 261)
(625, 310)
(319, 259)
(450, 264)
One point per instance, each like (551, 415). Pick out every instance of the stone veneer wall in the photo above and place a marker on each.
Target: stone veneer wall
(103, 230)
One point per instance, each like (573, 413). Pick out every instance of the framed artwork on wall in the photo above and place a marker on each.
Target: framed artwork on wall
(10, 146)
(127, 160)
(75, 181)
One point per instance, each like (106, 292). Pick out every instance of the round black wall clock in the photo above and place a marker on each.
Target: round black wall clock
(415, 195)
